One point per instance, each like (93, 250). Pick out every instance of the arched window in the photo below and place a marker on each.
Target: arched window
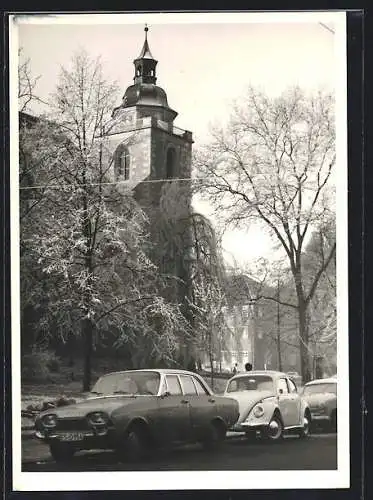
(122, 163)
(170, 163)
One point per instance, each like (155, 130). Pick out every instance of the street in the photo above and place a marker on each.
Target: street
(318, 452)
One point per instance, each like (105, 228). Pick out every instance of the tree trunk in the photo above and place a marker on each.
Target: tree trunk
(88, 337)
(278, 329)
(304, 342)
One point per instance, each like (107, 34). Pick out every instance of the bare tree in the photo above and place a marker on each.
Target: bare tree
(273, 163)
(91, 239)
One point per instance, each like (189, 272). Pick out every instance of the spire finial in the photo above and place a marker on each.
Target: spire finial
(146, 29)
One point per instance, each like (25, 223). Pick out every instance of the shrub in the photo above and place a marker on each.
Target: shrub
(37, 365)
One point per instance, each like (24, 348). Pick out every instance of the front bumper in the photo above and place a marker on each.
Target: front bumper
(86, 439)
(320, 418)
(247, 427)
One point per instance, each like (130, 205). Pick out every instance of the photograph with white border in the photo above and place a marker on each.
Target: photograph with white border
(178, 199)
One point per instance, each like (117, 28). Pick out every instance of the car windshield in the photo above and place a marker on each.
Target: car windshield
(251, 383)
(138, 383)
(320, 388)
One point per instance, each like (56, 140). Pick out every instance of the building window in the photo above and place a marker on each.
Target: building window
(122, 163)
(170, 163)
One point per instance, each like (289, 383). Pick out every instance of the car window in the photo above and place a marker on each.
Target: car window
(292, 386)
(282, 385)
(200, 388)
(173, 385)
(142, 383)
(187, 385)
(251, 383)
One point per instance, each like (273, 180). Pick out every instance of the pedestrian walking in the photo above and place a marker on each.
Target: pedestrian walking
(235, 369)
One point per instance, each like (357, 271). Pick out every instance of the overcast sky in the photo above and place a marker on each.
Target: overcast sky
(202, 65)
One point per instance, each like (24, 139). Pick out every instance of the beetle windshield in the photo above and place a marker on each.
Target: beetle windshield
(251, 383)
(142, 383)
(320, 388)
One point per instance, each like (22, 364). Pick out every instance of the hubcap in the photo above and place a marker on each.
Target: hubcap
(306, 425)
(274, 429)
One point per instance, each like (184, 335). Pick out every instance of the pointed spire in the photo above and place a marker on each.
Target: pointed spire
(145, 52)
(145, 64)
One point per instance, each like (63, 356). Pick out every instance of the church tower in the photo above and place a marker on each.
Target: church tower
(153, 158)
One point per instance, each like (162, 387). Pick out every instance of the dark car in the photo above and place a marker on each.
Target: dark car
(134, 411)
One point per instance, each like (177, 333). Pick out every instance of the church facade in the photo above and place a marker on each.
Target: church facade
(153, 158)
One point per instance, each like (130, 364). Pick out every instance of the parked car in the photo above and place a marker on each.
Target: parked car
(134, 411)
(269, 403)
(321, 395)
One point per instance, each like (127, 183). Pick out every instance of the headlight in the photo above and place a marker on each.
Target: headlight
(98, 418)
(258, 411)
(49, 421)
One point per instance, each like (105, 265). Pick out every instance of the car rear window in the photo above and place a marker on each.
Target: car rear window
(187, 385)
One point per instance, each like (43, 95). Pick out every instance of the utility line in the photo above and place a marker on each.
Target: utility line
(128, 182)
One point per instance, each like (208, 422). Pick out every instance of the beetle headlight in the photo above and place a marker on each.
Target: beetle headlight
(49, 421)
(98, 418)
(258, 411)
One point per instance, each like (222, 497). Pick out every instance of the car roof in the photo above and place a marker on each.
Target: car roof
(272, 373)
(158, 370)
(329, 380)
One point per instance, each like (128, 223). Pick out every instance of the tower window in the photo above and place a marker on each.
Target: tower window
(170, 163)
(122, 164)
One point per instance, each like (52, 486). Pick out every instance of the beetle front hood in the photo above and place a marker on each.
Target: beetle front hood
(247, 399)
(107, 404)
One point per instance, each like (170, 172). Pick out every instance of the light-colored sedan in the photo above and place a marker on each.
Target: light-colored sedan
(321, 395)
(269, 402)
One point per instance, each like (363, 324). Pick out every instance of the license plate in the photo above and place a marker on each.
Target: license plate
(71, 436)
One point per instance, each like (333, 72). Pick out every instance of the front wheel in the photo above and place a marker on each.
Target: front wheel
(61, 452)
(135, 445)
(305, 430)
(275, 429)
(333, 422)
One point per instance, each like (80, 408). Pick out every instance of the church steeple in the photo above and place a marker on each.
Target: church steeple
(145, 64)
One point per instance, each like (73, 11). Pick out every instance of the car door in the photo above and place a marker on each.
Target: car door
(296, 403)
(173, 422)
(202, 404)
(286, 403)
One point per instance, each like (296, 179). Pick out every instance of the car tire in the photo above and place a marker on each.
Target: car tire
(333, 421)
(215, 435)
(135, 445)
(61, 452)
(274, 432)
(304, 431)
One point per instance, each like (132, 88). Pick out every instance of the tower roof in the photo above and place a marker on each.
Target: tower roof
(145, 51)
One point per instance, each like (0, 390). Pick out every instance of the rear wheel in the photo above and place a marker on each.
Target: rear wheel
(215, 435)
(275, 429)
(61, 452)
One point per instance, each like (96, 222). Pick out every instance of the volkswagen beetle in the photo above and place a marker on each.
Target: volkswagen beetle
(134, 411)
(269, 403)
